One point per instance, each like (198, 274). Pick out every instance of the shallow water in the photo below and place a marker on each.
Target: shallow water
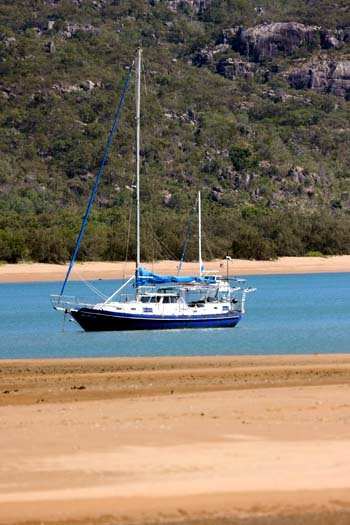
(294, 314)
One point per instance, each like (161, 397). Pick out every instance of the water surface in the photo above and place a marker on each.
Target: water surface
(294, 314)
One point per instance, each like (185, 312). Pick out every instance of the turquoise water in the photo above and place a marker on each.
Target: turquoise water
(295, 314)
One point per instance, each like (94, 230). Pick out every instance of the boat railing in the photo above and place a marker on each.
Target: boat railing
(123, 298)
(68, 302)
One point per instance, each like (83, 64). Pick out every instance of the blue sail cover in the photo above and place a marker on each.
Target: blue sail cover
(145, 277)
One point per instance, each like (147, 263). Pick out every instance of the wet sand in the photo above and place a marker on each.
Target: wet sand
(196, 440)
(28, 272)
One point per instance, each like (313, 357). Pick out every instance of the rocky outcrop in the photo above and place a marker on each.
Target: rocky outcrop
(324, 77)
(85, 85)
(72, 28)
(266, 41)
(194, 6)
(216, 193)
(234, 68)
(206, 56)
(334, 39)
(50, 46)
(305, 178)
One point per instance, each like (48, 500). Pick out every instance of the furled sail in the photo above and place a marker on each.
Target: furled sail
(146, 277)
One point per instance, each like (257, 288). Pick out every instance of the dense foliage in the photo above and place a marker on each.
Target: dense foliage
(272, 162)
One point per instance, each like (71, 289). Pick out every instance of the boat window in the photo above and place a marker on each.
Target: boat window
(170, 299)
(155, 299)
(145, 299)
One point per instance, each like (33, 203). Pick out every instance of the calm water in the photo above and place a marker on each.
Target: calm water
(287, 314)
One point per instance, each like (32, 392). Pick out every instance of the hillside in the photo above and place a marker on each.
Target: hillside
(247, 101)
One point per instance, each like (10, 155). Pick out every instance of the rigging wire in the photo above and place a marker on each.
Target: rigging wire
(91, 286)
(162, 247)
(207, 245)
(187, 238)
(127, 243)
(98, 178)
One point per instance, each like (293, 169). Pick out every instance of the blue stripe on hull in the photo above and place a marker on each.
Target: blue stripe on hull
(97, 321)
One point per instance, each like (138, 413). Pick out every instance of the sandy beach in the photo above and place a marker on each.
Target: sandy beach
(28, 272)
(197, 440)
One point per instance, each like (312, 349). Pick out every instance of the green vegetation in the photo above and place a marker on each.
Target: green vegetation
(272, 162)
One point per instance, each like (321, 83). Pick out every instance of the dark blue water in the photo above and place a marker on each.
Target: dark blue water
(295, 314)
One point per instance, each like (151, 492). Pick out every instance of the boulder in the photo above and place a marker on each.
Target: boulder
(330, 41)
(50, 46)
(167, 198)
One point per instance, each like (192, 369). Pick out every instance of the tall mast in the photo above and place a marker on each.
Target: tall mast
(138, 103)
(200, 235)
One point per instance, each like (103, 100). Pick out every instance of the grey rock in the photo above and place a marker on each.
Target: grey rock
(297, 175)
(229, 35)
(304, 178)
(50, 47)
(324, 77)
(167, 197)
(235, 68)
(88, 85)
(195, 6)
(203, 58)
(266, 41)
(72, 28)
(331, 42)
(334, 39)
(215, 195)
(87, 176)
(10, 41)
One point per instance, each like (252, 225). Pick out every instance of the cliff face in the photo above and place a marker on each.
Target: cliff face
(267, 41)
(324, 77)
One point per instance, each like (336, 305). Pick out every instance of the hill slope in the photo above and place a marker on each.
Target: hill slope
(246, 101)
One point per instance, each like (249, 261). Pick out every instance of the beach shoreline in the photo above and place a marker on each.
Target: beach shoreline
(245, 440)
(32, 272)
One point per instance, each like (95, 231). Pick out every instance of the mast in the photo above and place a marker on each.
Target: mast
(200, 235)
(98, 178)
(138, 104)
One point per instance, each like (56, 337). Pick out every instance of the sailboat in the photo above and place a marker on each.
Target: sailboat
(159, 302)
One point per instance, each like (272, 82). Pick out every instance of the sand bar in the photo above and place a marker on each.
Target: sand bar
(213, 440)
(28, 272)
